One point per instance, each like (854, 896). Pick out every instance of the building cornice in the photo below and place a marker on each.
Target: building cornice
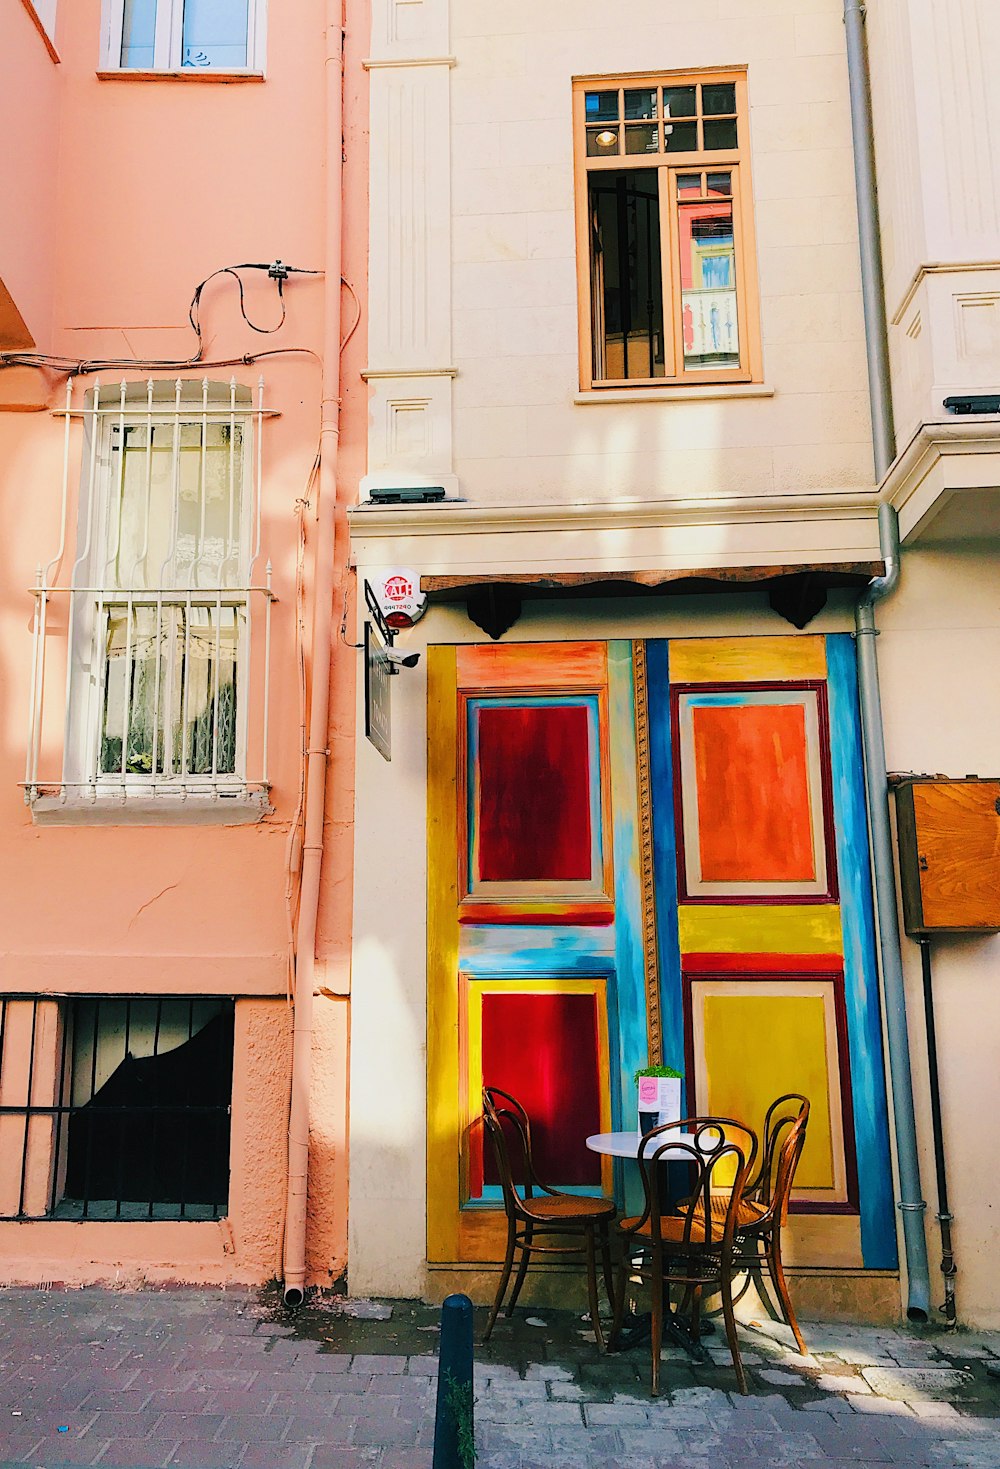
(936, 463)
(459, 518)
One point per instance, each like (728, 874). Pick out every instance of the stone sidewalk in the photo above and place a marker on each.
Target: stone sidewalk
(221, 1380)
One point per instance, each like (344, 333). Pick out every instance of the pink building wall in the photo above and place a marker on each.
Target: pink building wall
(129, 192)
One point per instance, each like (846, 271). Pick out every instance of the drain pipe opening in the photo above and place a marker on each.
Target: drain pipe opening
(294, 1296)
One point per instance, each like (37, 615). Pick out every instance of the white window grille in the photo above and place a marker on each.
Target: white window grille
(175, 35)
(166, 690)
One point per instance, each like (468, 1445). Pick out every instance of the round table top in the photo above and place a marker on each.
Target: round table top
(626, 1144)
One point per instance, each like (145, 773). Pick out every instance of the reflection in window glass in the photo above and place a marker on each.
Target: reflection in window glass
(718, 99)
(678, 102)
(640, 104)
(602, 106)
(626, 275)
(215, 33)
(720, 134)
(138, 34)
(680, 137)
(642, 138)
(709, 323)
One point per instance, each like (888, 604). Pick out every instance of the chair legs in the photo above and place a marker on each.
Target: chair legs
(609, 1276)
(595, 1313)
(777, 1273)
(658, 1292)
(504, 1278)
(522, 1269)
(729, 1316)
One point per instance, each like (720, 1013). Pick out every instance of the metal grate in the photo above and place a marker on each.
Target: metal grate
(151, 668)
(115, 1107)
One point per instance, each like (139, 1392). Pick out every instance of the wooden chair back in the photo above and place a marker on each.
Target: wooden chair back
(718, 1153)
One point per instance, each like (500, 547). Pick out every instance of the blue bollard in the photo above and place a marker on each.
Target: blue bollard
(454, 1431)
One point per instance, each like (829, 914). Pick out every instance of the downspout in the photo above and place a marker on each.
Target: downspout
(911, 1203)
(317, 754)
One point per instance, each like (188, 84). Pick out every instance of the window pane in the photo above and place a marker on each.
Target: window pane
(626, 275)
(708, 284)
(642, 138)
(689, 185)
(138, 33)
(678, 102)
(640, 104)
(719, 98)
(601, 142)
(191, 537)
(681, 137)
(602, 106)
(215, 33)
(720, 184)
(169, 705)
(721, 134)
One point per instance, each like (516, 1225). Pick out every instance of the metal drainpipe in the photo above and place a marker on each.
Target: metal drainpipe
(294, 1263)
(911, 1203)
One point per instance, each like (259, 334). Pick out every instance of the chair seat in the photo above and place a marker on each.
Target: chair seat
(568, 1208)
(748, 1213)
(671, 1230)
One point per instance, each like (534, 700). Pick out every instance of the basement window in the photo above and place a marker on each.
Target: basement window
(115, 1108)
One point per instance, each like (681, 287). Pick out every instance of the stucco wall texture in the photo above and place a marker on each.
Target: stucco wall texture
(128, 191)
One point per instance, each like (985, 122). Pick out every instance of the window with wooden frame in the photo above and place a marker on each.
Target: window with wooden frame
(665, 256)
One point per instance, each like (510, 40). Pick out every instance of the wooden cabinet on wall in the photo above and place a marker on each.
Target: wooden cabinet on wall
(949, 854)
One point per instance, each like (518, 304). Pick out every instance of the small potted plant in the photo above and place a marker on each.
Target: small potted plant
(659, 1096)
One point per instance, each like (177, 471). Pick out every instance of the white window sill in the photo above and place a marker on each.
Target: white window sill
(179, 74)
(696, 393)
(243, 808)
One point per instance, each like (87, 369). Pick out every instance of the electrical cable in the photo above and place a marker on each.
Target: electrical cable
(277, 271)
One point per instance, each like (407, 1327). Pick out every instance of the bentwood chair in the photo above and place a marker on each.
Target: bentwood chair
(535, 1210)
(689, 1244)
(765, 1204)
(763, 1209)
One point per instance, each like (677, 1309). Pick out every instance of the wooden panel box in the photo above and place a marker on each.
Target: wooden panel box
(949, 854)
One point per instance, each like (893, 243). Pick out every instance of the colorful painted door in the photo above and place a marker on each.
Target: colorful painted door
(651, 851)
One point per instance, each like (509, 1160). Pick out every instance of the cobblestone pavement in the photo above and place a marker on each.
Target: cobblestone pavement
(221, 1380)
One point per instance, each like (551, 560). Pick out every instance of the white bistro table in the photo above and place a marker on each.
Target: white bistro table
(626, 1145)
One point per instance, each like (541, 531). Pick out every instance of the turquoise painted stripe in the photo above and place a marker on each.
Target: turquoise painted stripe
(631, 980)
(661, 777)
(521, 949)
(864, 1025)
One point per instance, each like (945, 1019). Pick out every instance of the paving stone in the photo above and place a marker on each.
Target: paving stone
(372, 1366)
(218, 1455)
(781, 1378)
(184, 1426)
(63, 1450)
(335, 1456)
(137, 1453)
(841, 1382)
(254, 1427)
(17, 1446)
(919, 1383)
(597, 1415)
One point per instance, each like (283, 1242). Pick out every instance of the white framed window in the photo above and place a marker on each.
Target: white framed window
(184, 35)
(164, 694)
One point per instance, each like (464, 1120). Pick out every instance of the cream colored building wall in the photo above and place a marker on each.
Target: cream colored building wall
(481, 380)
(934, 65)
(939, 650)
